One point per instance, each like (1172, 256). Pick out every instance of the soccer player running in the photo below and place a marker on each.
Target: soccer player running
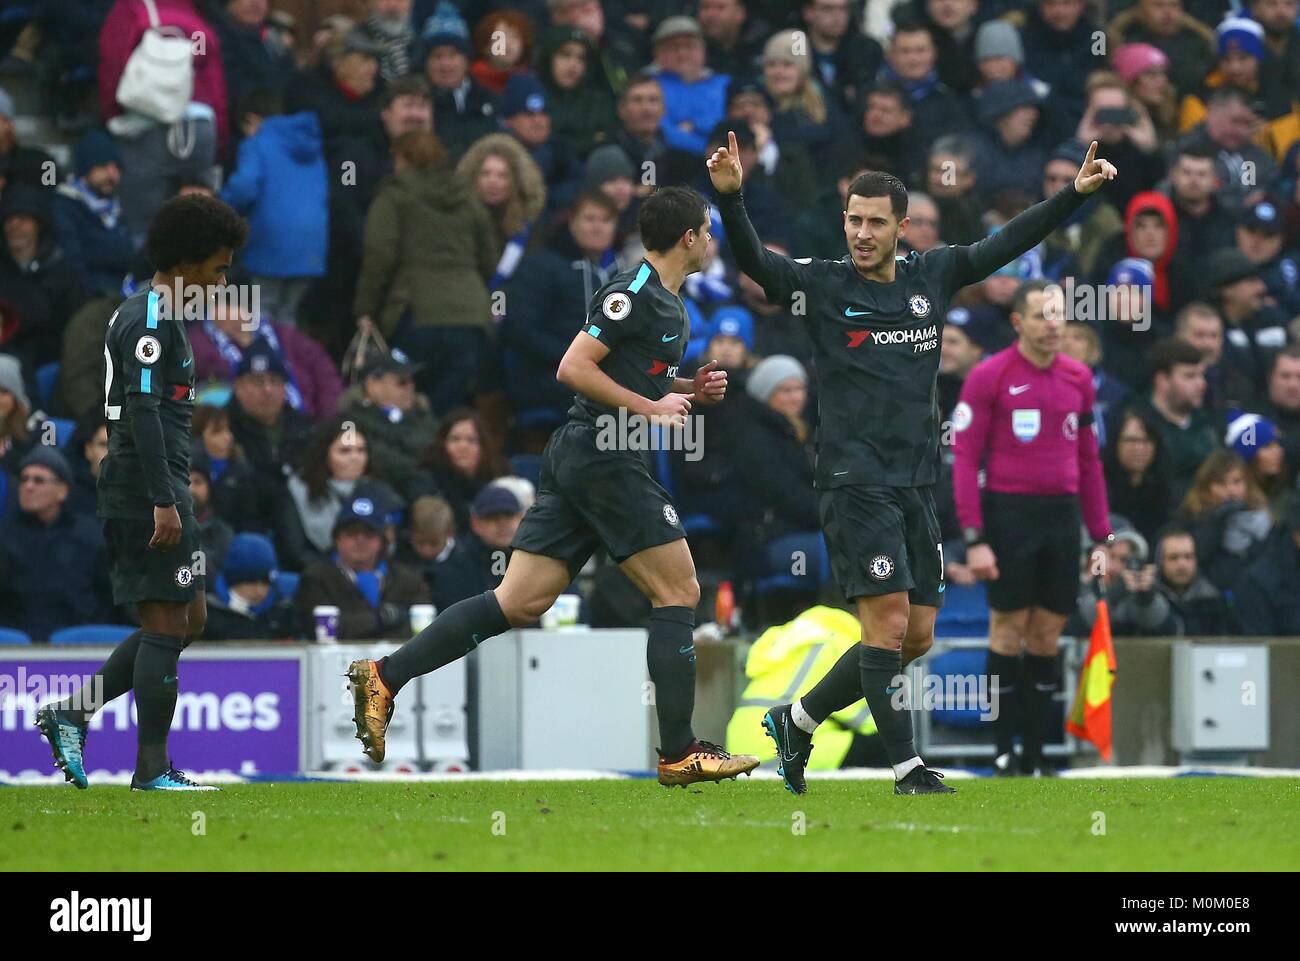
(1025, 419)
(153, 541)
(592, 493)
(876, 322)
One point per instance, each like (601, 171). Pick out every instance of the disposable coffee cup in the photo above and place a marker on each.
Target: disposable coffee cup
(563, 613)
(327, 623)
(422, 616)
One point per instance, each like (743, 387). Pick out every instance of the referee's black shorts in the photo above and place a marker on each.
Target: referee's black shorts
(883, 540)
(589, 498)
(140, 573)
(1036, 541)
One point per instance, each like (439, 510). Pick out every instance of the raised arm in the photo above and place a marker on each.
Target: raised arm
(779, 276)
(1031, 227)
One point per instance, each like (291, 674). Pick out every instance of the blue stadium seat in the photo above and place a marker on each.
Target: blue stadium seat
(965, 612)
(527, 466)
(286, 584)
(47, 378)
(63, 431)
(92, 634)
(10, 636)
(969, 664)
(693, 523)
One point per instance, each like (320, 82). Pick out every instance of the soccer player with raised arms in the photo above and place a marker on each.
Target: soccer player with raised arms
(594, 494)
(153, 541)
(876, 321)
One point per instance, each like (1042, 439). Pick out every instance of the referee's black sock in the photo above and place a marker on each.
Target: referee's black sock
(1040, 687)
(112, 680)
(1004, 678)
(841, 686)
(670, 656)
(453, 634)
(881, 671)
(155, 685)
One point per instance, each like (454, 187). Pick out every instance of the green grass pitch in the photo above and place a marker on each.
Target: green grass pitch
(1155, 824)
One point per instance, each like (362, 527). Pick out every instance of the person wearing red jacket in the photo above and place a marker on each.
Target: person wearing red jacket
(1024, 418)
(156, 158)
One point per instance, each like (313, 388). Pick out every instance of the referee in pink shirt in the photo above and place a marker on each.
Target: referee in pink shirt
(1025, 419)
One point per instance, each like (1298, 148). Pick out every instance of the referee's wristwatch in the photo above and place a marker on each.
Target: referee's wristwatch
(973, 536)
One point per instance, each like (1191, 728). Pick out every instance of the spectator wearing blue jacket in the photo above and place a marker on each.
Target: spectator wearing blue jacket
(547, 299)
(88, 215)
(279, 183)
(695, 98)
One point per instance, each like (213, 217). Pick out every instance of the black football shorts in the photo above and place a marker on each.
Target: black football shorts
(589, 498)
(883, 540)
(139, 573)
(1037, 544)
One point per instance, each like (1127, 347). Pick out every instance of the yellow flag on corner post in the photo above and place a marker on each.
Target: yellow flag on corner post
(1090, 717)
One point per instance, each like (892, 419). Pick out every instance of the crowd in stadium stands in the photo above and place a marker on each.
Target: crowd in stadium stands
(460, 178)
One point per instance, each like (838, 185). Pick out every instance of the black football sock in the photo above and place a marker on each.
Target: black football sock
(1005, 679)
(453, 634)
(111, 681)
(880, 670)
(670, 656)
(841, 686)
(1039, 690)
(155, 686)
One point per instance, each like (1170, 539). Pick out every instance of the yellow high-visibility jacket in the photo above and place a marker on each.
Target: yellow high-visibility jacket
(784, 663)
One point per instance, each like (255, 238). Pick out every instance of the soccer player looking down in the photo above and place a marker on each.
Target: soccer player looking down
(1025, 418)
(876, 321)
(623, 365)
(154, 544)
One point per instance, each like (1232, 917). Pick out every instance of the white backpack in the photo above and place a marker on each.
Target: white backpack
(158, 81)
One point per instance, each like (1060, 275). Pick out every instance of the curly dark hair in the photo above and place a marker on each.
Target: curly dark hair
(190, 229)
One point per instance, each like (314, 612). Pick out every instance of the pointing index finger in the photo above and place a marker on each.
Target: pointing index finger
(731, 143)
(1092, 153)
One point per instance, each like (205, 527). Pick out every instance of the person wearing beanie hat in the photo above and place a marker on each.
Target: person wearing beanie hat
(778, 372)
(246, 602)
(1257, 441)
(51, 556)
(1240, 51)
(464, 108)
(803, 116)
(525, 114)
(87, 214)
(998, 51)
(1131, 60)
(770, 473)
(581, 107)
(608, 163)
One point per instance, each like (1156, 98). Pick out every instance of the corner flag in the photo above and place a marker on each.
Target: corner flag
(1090, 717)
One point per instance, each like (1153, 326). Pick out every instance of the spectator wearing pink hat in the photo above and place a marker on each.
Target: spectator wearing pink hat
(1145, 70)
